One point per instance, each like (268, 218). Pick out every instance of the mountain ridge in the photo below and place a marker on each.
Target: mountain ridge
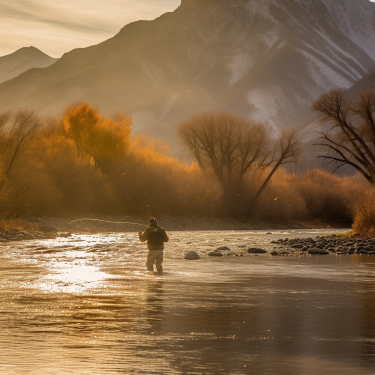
(267, 61)
(25, 58)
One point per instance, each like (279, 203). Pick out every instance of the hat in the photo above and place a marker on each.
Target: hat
(153, 220)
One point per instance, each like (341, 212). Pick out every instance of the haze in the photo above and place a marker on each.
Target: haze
(58, 27)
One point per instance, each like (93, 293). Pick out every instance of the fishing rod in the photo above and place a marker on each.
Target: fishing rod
(108, 221)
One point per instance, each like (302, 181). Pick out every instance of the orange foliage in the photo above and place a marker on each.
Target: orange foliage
(102, 140)
(364, 221)
(87, 164)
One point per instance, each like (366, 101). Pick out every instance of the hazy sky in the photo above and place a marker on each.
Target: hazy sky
(56, 27)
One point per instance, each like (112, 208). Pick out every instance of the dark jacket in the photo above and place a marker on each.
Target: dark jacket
(155, 237)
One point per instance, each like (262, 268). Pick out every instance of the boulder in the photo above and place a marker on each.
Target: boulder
(215, 253)
(192, 255)
(317, 251)
(255, 250)
(297, 246)
(225, 248)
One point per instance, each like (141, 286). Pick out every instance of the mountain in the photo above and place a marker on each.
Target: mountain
(22, 60)
(364, 84)
(268, 60)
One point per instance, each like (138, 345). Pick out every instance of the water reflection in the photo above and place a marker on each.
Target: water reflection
(154, 306)
(90, 308)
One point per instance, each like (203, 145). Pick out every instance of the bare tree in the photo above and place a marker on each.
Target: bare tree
(228, 144)
(231, 145)
(350, 134)
(287, 150)
(18, 131)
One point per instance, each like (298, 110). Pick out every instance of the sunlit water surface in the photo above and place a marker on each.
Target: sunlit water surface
(85, 305)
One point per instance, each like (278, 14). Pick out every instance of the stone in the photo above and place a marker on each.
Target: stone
(192, 255)
(255, 250)
(225, 248)
(274, 253)
(215, 253)
(318, 252)
(297, 246)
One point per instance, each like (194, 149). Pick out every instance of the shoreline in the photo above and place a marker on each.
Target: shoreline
(62, 225)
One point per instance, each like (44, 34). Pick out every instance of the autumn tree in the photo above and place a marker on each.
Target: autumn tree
(349, 132)
(101, 141)
(226, 143)
(17, 131)
(286, 150)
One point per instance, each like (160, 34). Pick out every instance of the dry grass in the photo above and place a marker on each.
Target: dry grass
(18, 224)
(364, 221)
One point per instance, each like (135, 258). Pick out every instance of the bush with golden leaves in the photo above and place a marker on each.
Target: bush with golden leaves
(364, 221)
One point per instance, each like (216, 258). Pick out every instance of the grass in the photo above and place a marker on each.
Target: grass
(341, 234)
(18, 224)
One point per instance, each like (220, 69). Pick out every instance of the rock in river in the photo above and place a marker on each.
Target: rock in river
(255, 250)
(318, 252)
(192, 255)
(215, 253)
(223, 248)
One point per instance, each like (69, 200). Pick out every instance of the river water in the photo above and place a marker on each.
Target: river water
(85, 305)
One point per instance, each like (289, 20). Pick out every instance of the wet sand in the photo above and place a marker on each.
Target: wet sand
(85, 305)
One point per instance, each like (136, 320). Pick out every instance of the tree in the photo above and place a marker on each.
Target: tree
(228, 144)
(350, 134)
(287, 150)
(22, 125)
(100, 140)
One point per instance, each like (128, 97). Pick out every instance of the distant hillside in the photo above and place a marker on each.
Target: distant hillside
(22, 60)
(364, 84)
(267, 59)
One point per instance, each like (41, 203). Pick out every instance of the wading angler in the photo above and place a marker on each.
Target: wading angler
(155, 237)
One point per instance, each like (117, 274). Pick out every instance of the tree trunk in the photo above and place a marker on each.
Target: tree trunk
(265, 183)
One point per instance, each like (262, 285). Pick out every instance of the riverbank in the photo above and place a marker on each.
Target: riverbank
(102, 224)
(49, 228)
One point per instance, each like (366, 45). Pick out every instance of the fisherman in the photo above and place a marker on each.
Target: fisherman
(155, 237)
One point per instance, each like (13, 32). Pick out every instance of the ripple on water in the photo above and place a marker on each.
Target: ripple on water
(86, 305)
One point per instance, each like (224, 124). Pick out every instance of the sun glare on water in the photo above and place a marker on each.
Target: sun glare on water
(75, 276)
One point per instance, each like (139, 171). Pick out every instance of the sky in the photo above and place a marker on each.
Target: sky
(56, 27)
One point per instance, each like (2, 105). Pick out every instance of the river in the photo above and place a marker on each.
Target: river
(85, 305)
